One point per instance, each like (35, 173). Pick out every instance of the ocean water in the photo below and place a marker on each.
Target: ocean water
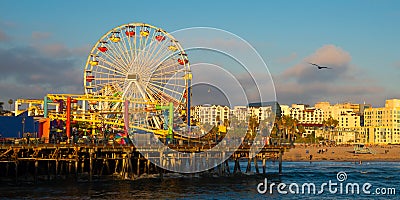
(384, 177)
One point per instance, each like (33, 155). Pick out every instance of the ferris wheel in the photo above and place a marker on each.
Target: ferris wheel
(140, 63)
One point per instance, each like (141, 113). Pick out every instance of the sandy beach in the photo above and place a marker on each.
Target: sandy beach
(341, 153)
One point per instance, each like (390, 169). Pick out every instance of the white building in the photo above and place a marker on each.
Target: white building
(262, 113)
(240, 112)
(285, 110)
(309, 117)
(210, 114)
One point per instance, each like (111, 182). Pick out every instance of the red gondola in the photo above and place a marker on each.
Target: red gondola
(89, 78)
(103, 49)
(130, 32)
(160, 38)
(182, 61)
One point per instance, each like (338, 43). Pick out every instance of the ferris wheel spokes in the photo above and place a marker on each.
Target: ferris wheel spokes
(140, 63)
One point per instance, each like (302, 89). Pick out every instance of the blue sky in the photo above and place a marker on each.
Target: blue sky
(43, 42)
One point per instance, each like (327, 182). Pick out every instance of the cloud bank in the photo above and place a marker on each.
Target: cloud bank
(304, 83)
(32, 70)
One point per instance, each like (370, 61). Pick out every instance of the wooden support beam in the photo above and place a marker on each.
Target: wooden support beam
(227, 166)
(56, 168)
(90, 166)
(16, 171)
(76, 168)
(256, 164)
(36, 170)
(248, 168)
(280, 162)
(264, 165)
(138, 166)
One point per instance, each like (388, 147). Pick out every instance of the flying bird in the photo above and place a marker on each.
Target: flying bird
(320, 67)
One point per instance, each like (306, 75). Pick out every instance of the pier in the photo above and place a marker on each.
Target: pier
(33, 162)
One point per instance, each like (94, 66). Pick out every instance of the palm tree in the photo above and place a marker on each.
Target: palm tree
(331, 124)
(275, 130)
(290, 125)
(1, 107)
(285, 127)
(293, 128)
(253, 124)
(10, 101)
(301, 129)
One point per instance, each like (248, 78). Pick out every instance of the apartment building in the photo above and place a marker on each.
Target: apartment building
(382, 125)
(210, 114)
(309, 117)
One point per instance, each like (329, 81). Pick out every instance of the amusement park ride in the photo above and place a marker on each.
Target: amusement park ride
(136, 78)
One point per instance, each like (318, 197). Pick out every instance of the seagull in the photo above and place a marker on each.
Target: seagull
(320, 67)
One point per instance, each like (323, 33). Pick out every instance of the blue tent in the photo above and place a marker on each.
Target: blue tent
(14, 126)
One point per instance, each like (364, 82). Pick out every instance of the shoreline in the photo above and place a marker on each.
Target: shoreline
(389, 153)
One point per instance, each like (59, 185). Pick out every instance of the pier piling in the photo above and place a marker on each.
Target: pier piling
(280, 161)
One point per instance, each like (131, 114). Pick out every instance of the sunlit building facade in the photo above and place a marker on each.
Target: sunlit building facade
(349, 121)
(382, 125)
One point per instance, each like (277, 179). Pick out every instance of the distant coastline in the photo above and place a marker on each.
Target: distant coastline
(387, 153)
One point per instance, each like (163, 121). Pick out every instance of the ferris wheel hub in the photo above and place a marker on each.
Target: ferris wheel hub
(132, 77)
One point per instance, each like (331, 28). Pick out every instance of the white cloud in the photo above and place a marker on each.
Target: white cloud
(328, 55)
